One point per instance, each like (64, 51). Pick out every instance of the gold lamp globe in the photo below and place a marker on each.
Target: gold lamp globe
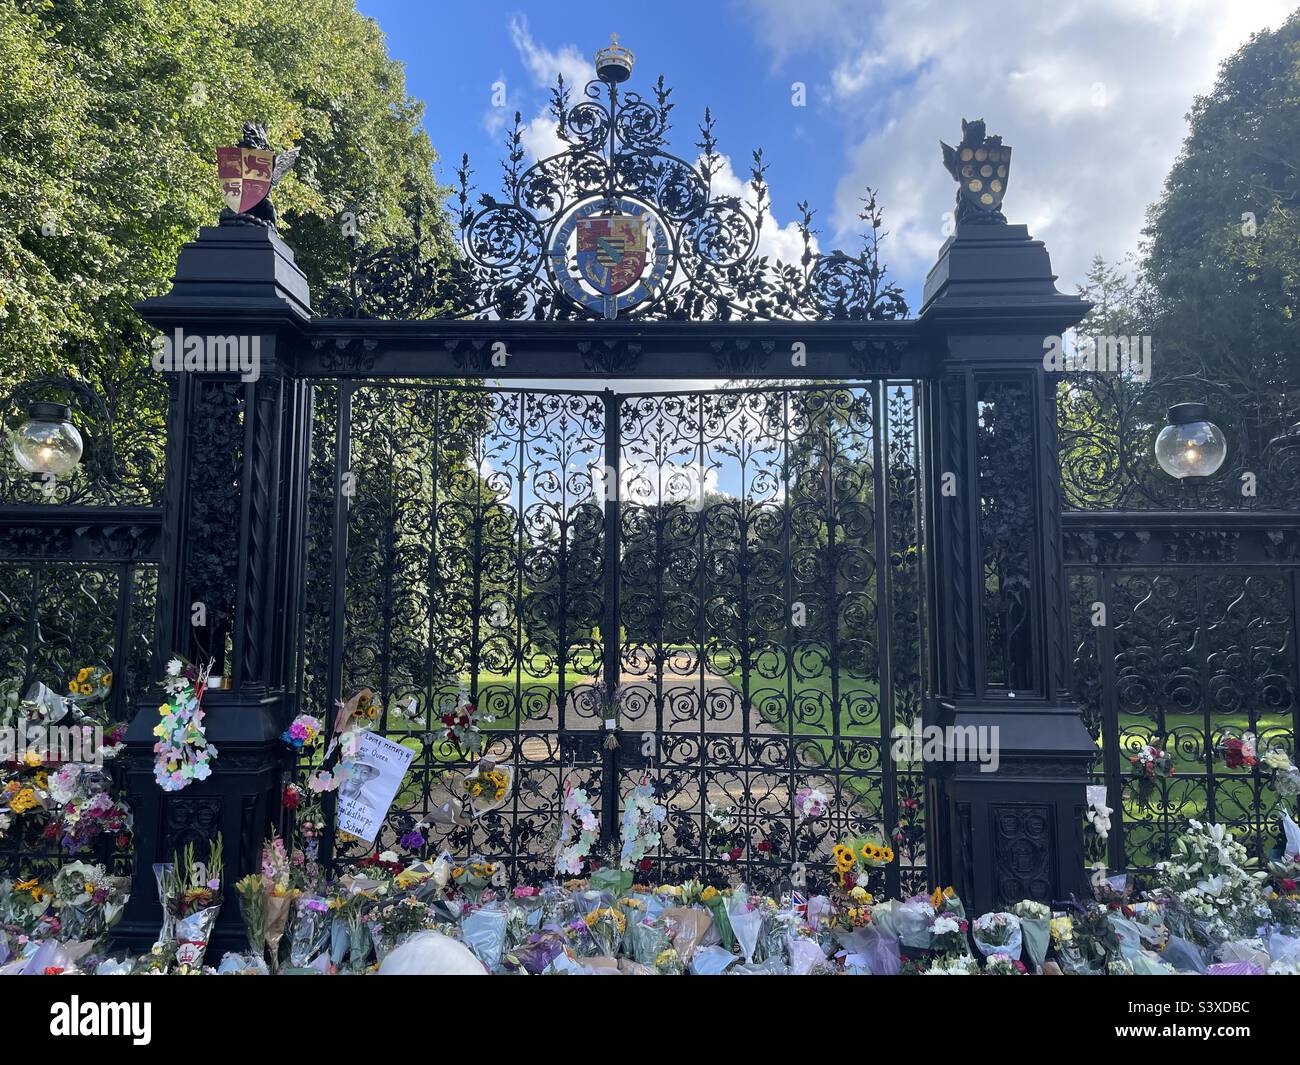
(1190, 445)
(47, 443)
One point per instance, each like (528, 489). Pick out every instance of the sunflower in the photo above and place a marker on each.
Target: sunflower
(844, 857)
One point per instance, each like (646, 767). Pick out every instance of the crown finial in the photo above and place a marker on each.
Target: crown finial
(614, 62)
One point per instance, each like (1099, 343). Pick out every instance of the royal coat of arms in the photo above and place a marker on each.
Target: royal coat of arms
(612, 243)
(980, 165)
(611, 252)
(249, 171)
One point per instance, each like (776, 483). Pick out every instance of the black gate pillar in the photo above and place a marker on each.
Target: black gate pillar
(229, 583)
(1000, 660)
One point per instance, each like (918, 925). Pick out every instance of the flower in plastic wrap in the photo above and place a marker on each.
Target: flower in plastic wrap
(997, 933)
(913, 919)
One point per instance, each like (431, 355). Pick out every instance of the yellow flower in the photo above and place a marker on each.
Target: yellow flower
(458, 871)
(888, 854)
(23, 801)
(73, 686)
(936, 900)
(32, 758)
(708, 893)
(83, 673)
(87, 689)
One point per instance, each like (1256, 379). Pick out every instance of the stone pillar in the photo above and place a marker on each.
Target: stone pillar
(229, 582)
(1000, 657)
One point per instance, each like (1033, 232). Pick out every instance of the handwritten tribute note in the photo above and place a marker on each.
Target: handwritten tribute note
(367, 794)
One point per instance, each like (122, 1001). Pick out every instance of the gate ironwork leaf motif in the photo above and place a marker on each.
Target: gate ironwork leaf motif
(533, 254)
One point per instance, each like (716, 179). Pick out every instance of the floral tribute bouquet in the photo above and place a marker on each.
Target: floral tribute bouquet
(1150, 762)
(1004, 965)
(182, 753)
(1035, 929)
(997, 933)
(191, 897)
(1214, 881)
(463, 727)
(87, 899)
(810, 803)
(722, 827)
(265, 901)
(303, 731)
(1239, 751)
(1285, 777)
(854, 858)
(606, 926)
(488, 786)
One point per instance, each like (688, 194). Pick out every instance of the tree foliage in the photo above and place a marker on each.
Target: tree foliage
(112, 112)
(1223, 258)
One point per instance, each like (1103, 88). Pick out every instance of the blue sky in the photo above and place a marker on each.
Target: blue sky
(1092, 94)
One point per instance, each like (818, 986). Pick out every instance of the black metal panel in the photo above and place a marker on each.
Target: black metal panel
(474, 554)
(1199, 615)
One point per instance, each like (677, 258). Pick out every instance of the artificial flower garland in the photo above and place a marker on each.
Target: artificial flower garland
(578, 831)
(642, 817)
(182, 753)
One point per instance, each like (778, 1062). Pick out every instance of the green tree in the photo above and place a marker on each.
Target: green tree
(113, 111)
(1223, 253)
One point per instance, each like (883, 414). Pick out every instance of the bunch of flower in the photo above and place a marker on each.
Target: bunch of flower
(1214, 880)
(182, 753)
(1003, 965)
(463, 727)
(1285, 780)
(490, 786)
(642, 818)
(1150, 763)
(810, 803)
(996, 929)
(578, 831)
(304, 731)
(473, 878)
(606, 927)
(1092, 934)
(852, 908)
(87, 900)
(1239, 751)
(853, 857)
(91, 684)
(83, 820)
(366, 710)
(721, 827)
(669, 963)
(190, 886)
(399, 918)
(948, 935)
(1030, 910)
(952, 965)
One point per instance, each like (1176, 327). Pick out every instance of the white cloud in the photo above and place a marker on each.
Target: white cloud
(544, 64)
(782, 242)
(1091, 94)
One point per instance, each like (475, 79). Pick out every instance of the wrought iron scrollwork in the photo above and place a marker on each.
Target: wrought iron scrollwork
(519, 257)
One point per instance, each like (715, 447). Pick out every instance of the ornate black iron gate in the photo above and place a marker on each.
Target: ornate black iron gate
(736, 571)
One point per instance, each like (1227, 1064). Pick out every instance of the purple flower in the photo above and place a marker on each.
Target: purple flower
(413, 840)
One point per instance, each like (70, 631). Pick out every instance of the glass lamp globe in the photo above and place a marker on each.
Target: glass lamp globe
(1190, 445)
(47, 442)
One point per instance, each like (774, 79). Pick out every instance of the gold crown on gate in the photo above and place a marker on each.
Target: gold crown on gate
(614, 62)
